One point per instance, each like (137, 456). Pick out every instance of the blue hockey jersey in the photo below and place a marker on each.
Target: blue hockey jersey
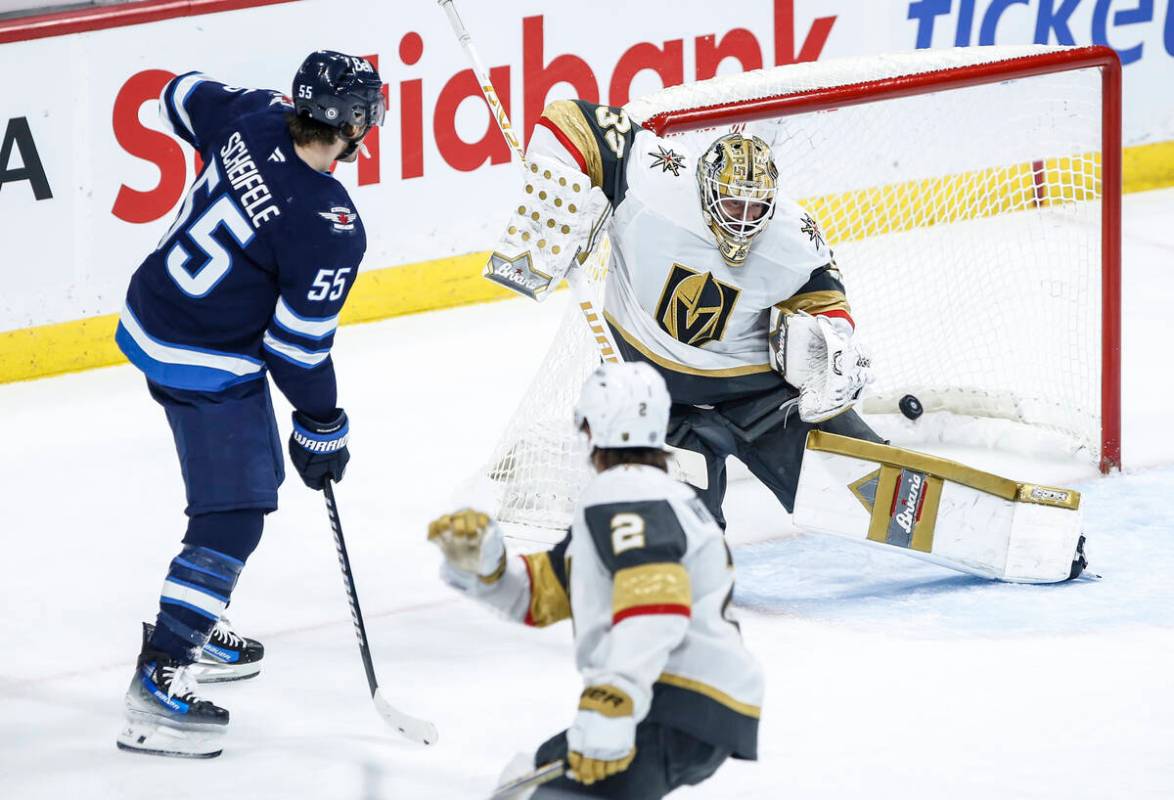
(255, 269)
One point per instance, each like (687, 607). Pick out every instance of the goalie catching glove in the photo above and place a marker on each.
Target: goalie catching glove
(820, 357)
(556, 223)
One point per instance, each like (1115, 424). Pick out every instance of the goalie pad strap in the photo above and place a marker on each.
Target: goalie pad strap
(944, 468)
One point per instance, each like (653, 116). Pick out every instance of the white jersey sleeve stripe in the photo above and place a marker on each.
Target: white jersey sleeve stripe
(191, 596)
(310, 327)
(294, 354)
(174, 354)
(183, 88)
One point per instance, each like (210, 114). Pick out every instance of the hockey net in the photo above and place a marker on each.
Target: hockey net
(971, 197)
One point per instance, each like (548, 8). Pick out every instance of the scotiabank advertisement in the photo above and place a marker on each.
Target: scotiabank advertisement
(89, 181)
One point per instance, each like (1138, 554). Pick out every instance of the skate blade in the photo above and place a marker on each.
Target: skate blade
(205, 672)
(166, 753)
(149, 735)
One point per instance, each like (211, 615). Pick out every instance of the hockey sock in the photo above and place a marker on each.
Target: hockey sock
(195, 593)
(201, 578)
(233, 533)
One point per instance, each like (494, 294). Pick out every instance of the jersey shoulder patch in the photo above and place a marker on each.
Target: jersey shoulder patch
(800, 230)
(631, 533)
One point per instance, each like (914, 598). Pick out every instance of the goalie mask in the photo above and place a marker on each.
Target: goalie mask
(624, 405)
(737, 180)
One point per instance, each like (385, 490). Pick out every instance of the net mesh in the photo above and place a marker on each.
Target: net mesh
(966, 223)
(540, 463)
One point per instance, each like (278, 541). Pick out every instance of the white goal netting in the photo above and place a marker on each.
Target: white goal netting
(966, 222)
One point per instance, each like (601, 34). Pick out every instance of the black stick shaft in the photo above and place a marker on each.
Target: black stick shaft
(348, 581)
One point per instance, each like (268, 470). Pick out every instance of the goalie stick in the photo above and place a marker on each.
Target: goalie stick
(418, 730)
(575, 277)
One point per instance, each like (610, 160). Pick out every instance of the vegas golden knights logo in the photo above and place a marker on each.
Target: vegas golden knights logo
(694, 307)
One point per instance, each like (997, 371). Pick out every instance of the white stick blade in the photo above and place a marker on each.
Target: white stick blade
(418, 730)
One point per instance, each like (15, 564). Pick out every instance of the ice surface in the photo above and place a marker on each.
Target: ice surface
(886, 677)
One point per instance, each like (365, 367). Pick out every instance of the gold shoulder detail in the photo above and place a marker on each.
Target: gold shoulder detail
(815, 303)
(548, 599)
(568, 118)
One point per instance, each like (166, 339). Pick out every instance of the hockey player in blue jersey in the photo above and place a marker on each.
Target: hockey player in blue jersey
(249, 279)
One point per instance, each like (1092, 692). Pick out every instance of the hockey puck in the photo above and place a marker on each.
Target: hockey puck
(910, 406)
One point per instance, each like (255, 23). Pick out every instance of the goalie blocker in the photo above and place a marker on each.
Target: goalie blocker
(939, 511)
(558, 221)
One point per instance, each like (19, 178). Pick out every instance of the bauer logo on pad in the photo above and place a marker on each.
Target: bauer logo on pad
(518, 273)
(902, 505)
(906, 509)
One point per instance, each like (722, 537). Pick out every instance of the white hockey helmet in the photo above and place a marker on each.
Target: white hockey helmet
(624, 405)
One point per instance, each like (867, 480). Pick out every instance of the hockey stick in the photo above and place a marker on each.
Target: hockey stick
(536, 777)
(417, 730)
(575, 277)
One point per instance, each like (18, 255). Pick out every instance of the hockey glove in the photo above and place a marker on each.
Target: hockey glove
(318, 450)
(472, 546)
(822, 358)
(557, 221)
(602, 740)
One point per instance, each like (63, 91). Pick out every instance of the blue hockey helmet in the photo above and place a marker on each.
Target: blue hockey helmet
(336, 89)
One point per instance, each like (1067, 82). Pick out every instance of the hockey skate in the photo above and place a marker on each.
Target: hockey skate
(164, 716)
(227, 656)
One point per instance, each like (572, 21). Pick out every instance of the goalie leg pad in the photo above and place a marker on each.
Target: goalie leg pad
(938, 510)
(775, 455)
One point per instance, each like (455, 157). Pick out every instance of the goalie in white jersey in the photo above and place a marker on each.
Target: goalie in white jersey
(670, 692)
(722, 284)
(730, 292)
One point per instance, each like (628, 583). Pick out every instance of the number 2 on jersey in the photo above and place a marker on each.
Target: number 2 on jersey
(627, 532)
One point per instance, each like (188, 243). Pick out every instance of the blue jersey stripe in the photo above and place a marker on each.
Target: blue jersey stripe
(179, 376)
(202, 612)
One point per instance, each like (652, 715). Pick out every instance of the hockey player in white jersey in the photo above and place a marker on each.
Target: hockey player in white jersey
(729, 290)
(670, 691)
(717, 280)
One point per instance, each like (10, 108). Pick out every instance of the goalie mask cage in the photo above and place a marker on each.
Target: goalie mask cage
(972, 199)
